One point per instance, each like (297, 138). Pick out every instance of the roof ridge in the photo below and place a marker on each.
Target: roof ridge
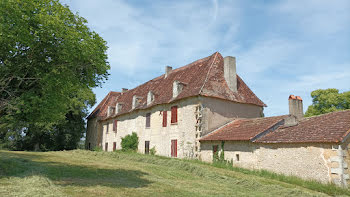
(207, 77)
(262, 117)
(333, 112)
(173, 71)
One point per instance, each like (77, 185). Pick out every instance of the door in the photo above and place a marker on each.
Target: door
(173, 148)
(106, 147)
(114, 146)
(146, 147)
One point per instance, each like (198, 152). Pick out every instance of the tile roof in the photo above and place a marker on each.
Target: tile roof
(331, 127)
(243, 129)
(101, 109)
(203, 77)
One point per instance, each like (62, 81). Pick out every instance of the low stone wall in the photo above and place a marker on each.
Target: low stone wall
(308, 161)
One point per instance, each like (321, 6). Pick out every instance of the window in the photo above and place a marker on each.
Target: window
(237, 157)
(174, 114)
(215, 152)
(107, 125)
(173, 148)
(106, 146)
(215, 149)
(165, 114)
(148, 120)
(115, 125)
(147, 147)
(114, 146)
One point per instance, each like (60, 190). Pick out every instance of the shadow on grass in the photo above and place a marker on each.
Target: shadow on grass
(20, 165)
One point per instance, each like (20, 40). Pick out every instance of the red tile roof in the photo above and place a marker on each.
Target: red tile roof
(243, 129)
(101, 109)
(203, 77)
(331, 127)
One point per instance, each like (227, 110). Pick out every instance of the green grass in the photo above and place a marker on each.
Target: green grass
(88, 173)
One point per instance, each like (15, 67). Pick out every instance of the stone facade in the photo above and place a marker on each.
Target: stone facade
(317, 161)
(195, 117)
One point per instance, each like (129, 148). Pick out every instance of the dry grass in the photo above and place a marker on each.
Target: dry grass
(87, 173)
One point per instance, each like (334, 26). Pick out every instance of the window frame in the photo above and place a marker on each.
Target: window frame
(115, 125)
(174, 114)
(165, 118)
(148, 120)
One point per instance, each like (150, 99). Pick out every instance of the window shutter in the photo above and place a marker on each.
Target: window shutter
(114, 146)
(174, 114)
(148, 120)
(115, 125)
(165, 118)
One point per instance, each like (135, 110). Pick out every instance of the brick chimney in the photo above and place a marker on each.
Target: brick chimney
(296, 106)
(167, 70)
(230, 72)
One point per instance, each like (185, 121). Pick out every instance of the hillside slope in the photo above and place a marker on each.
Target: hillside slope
(87, 173)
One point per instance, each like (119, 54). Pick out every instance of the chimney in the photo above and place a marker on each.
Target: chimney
(124, 90)
(230, 72)
(296, 106)
(167, 70)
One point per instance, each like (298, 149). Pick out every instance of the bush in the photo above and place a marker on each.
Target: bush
(153, 151)
(130, 142)
(97, 149)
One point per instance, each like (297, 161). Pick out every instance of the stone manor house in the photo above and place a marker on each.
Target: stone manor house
(203, 108)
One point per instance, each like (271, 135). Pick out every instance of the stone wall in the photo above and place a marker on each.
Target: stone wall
(93, 133)
(218, 112)
(160, 137)
(308, 161)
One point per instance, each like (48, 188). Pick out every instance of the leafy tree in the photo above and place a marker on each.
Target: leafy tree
(49, 62)
(328, 100)
(130, 142)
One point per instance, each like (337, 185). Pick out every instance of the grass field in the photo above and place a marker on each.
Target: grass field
(87, 173)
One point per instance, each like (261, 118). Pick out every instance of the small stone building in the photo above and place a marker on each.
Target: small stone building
(312, 148)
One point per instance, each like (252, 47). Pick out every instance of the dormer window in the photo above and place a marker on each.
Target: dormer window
(136, 101)
(118, 108)
(150, 97)
(110, 110)
(177, 88)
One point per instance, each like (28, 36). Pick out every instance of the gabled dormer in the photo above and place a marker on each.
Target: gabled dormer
(136, 100)
(150, 97)
(110, 110)
(118, 107)
(177, 88)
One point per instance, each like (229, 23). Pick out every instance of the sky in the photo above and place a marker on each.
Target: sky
(281, 47)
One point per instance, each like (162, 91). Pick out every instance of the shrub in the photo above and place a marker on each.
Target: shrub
(153, 151)
(130, 142)
(97, 149)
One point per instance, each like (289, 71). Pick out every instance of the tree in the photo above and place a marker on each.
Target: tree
(49, 62)
(328, 100)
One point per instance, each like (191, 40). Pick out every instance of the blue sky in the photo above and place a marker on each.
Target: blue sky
(282, 47)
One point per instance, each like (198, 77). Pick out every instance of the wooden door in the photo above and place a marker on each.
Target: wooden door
(114, 146)
(106, 147)
(173, 148)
